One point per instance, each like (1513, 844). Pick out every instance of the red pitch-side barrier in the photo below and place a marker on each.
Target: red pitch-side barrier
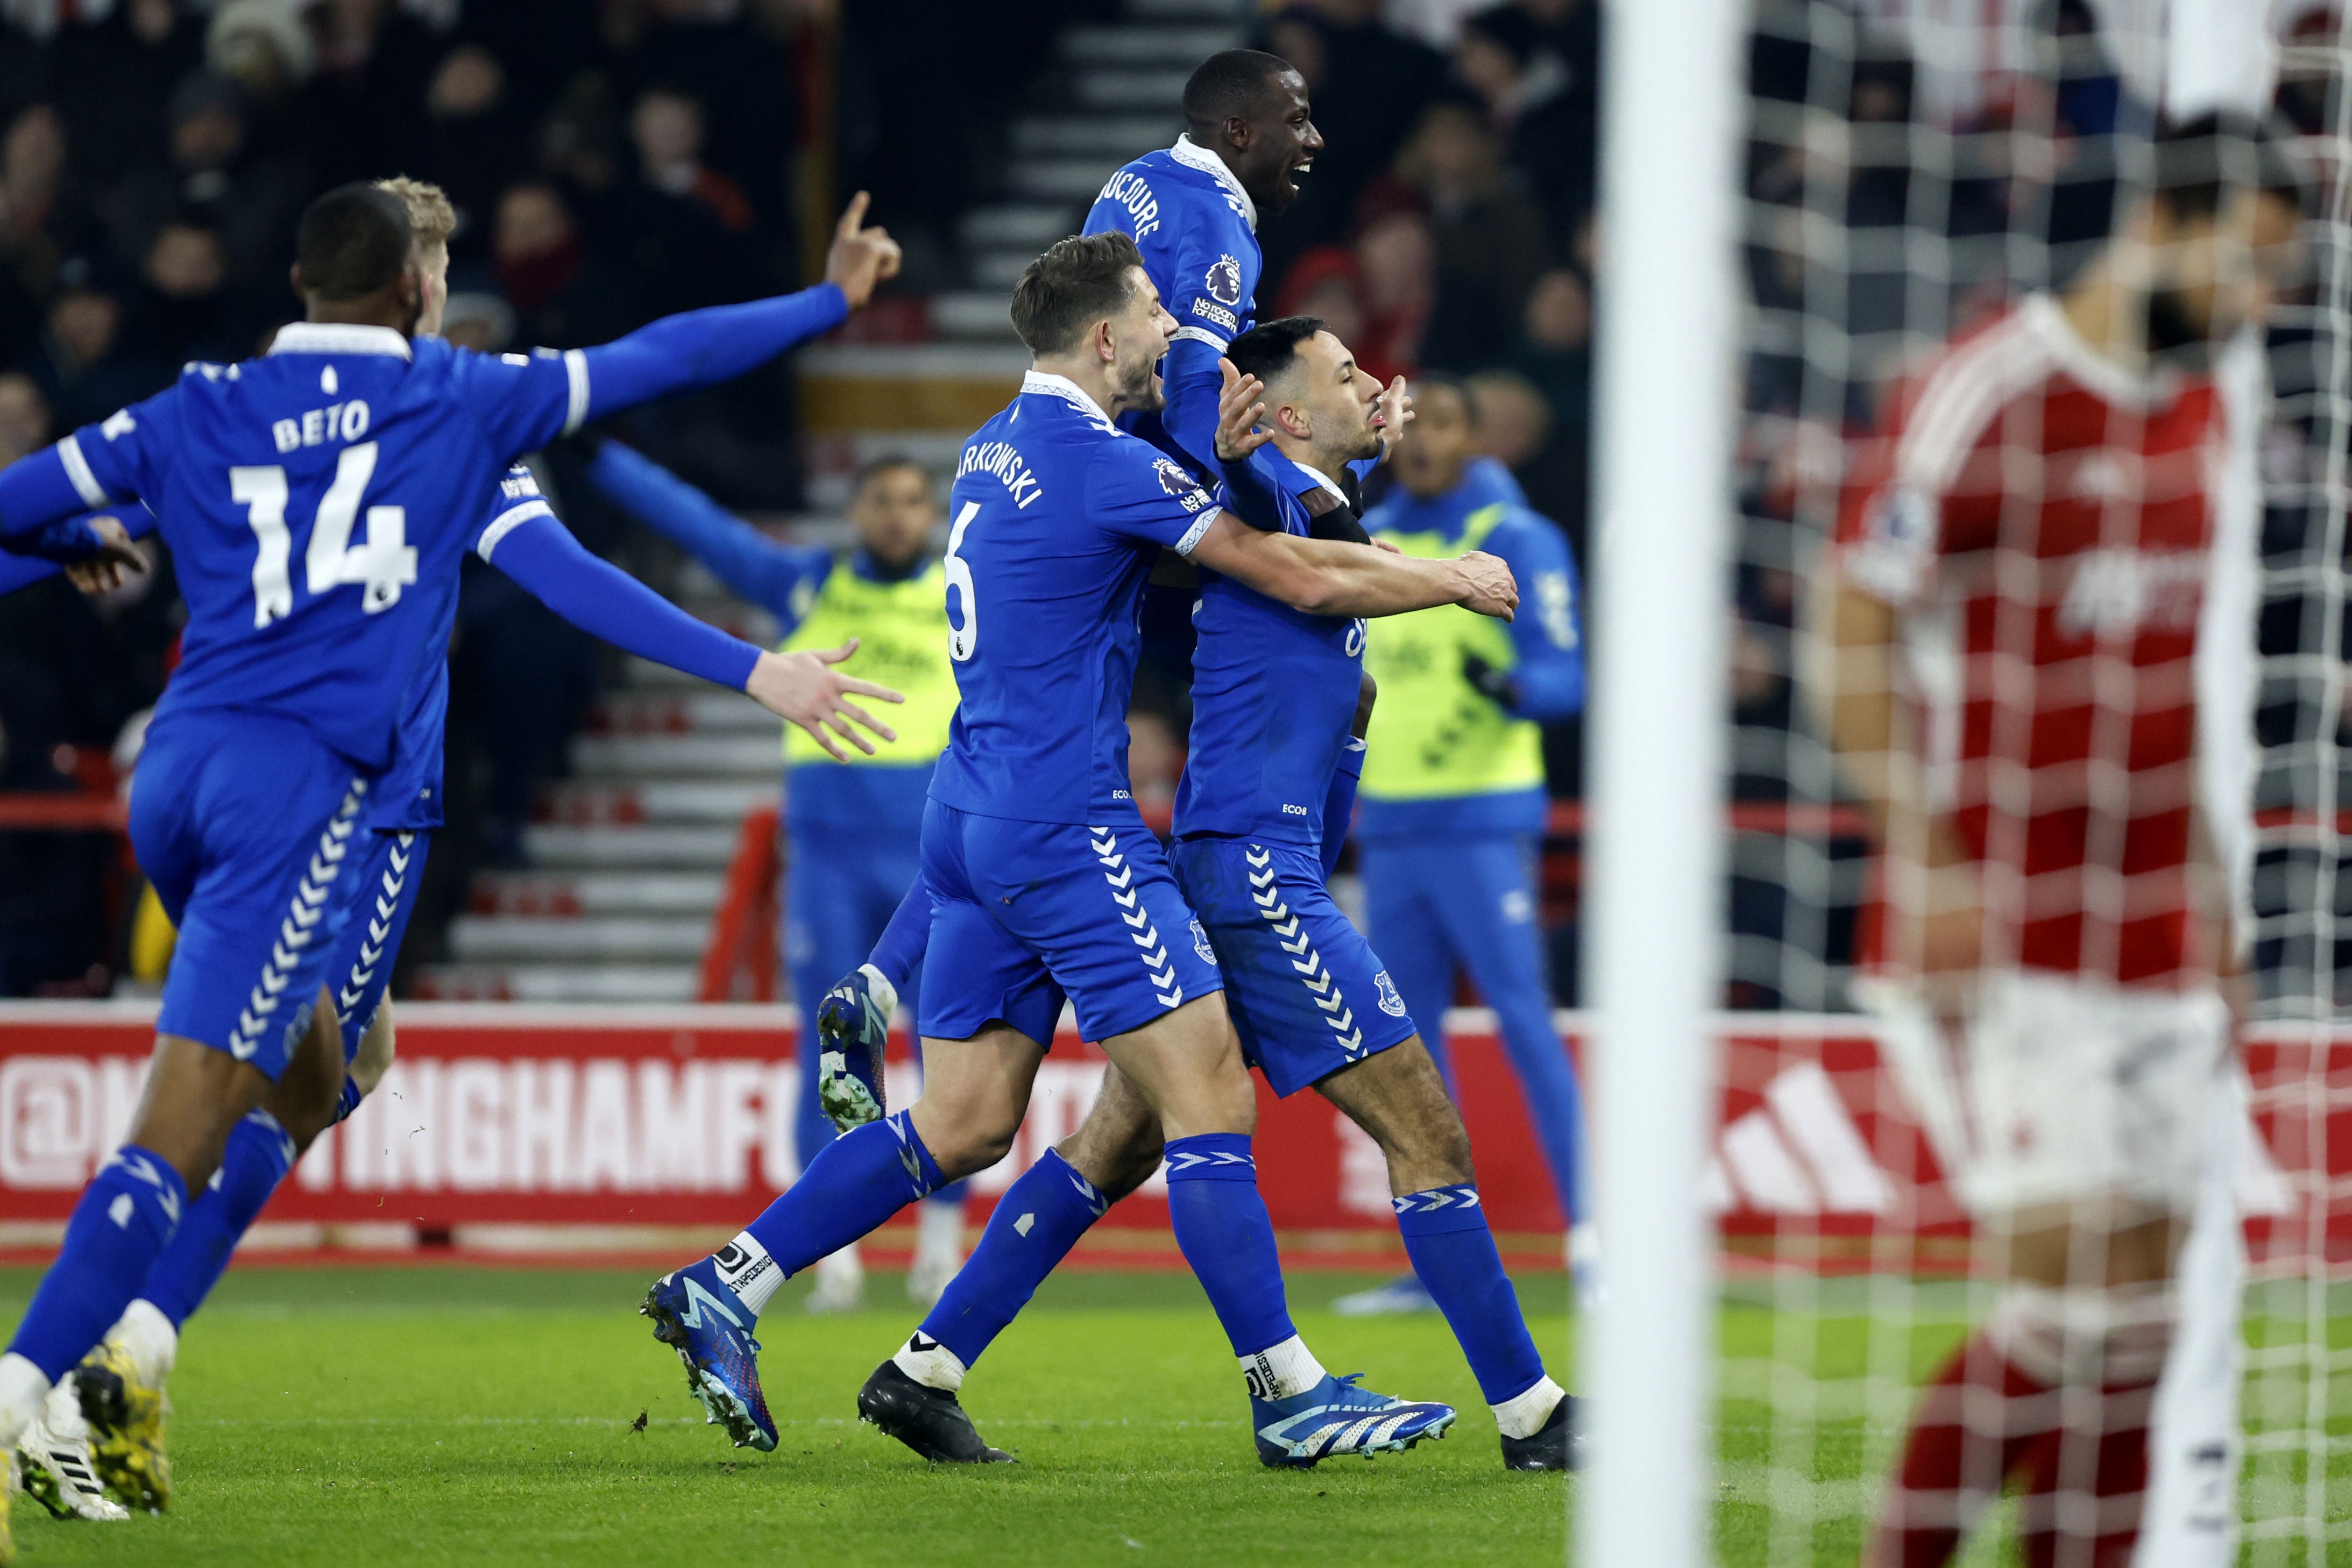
(509, 1114)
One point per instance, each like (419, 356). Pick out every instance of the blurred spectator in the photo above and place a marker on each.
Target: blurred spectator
(185, 311)
(679, 230)
(1396, 262)
(79, 362)
(1369, 87)
(208, 165)
(263, 47)
(1375, 296)
(36, 225)
(1489, 233)
(365, 105)
(561, 297)
(1512, 62)
(23, 416)
(473, 142)
(110, 79)
(1555, 356)
(742, 80)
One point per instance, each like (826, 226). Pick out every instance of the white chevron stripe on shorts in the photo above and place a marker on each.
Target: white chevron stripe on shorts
(1104, 842)
(387, 904)
(294, 933)
(1295, 941)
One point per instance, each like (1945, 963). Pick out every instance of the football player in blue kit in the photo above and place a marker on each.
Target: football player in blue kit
(125, 1376)
(1045, 882)
(354, 457)
(1274, 701)
(1192, 210)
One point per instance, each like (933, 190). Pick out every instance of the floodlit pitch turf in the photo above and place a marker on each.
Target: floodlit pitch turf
(363, 1416)
(427, 1415)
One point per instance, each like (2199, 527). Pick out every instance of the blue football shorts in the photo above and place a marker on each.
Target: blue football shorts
(1025, 914)
(362, 964)
(251, 829)
(1307, 993)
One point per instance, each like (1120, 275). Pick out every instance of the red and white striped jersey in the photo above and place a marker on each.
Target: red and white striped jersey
(2044, 519)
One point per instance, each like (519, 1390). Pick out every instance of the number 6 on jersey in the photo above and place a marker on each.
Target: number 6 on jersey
(962, 639)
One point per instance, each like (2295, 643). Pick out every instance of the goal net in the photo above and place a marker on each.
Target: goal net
(2035, 650)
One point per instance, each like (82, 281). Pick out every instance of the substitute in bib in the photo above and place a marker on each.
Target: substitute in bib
(1453, 796)
(853, 825)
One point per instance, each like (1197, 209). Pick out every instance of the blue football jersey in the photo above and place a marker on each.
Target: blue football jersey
(408, 794)
(317, 502)
(1055, 519)
(1274, 696)
(1197, 229)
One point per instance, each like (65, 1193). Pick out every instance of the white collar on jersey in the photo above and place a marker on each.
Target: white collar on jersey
(2047, 319)
(1192, 155)
(1065, 388)
(337, 338)
(1323, 479)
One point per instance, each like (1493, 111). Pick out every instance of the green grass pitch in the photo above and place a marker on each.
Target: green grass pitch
(357, 1417)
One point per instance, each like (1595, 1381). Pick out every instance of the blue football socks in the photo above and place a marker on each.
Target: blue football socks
(124, 1222)
(904, 938)
(1222, 1226)
(1037, 1222)
(257, 1159)
(1452, 1249)
(857, 1181)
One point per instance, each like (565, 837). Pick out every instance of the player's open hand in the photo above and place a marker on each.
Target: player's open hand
(1489, 588)
(117, 560)
(1395, 409)
(1240, 406)
(860, 257)
(806, 689)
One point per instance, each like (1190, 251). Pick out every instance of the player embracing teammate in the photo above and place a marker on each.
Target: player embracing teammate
(2024, 559)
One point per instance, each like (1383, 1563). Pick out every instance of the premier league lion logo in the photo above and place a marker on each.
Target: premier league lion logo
(1391, 1003)
(1179, 484)
(1224, 281)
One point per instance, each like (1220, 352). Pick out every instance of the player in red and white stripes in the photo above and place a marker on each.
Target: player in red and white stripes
(2024, 553)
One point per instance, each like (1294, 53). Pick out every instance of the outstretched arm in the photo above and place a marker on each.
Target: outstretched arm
(539, 553)
(93, 574)
(754, 566)
(699, 348)
(1326, 577)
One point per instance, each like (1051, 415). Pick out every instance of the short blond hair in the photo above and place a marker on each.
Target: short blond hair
(431, 218)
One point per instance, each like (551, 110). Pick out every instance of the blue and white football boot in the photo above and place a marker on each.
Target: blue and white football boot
(1336, 1418)
(853, 1026)
(697, 1314)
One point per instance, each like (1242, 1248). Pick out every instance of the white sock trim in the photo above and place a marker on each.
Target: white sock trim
(23, 1388)
(1282, 1371)
(930, 1363)
(149, 1336)
(1524, 1415)
(747, 1270)
(885, 994)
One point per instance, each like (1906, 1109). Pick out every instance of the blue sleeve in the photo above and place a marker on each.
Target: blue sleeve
(755, 567)
(1139, 494)
(114, 461)
(1546, 633)
(702, 348)
(539, 553)
(22, 570)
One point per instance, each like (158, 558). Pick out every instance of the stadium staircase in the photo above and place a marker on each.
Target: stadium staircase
(630, 858)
